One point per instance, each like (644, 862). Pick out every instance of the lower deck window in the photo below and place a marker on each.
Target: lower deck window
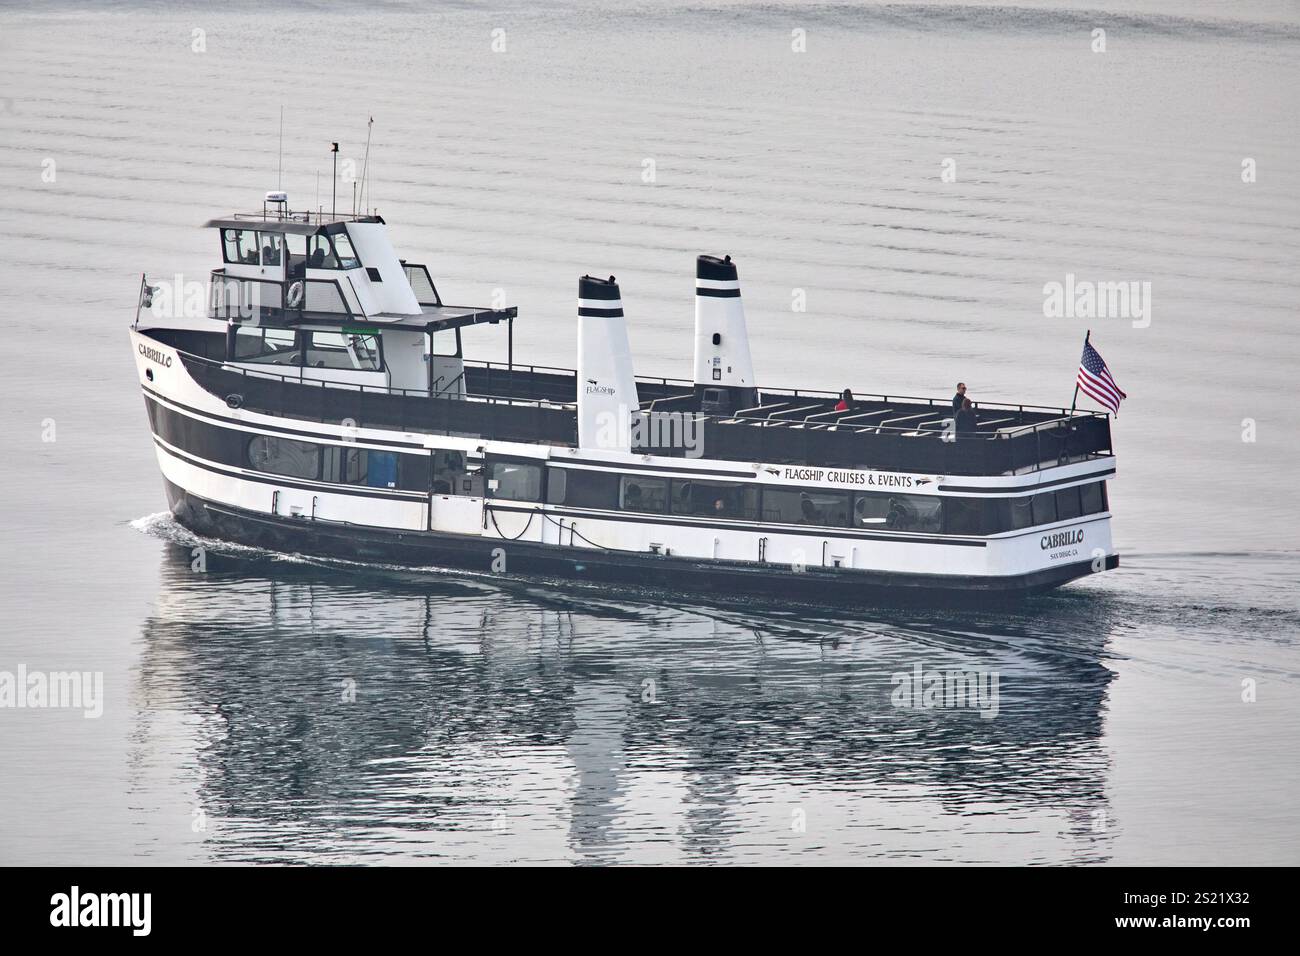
(718, 499)
(898, 512)
(514, 481)
(452, 475)
(1093, 497)
(964, 516)
(1044, 507)
(582, 489)
(796, 506)
(639, 493)
(281, 456)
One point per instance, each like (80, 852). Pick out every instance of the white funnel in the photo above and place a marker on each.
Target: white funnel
(722, 360)
(606, 386)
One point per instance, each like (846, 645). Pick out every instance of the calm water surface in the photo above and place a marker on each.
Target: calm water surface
(508, 720)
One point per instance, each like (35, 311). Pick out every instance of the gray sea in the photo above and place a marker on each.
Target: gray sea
(898, 184)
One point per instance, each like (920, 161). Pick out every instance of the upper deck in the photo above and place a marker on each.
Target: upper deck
(787, 426)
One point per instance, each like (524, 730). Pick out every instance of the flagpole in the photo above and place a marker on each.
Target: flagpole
(139, 301)
(1074, 401)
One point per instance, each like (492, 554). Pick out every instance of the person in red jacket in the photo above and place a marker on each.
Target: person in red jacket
(845, 403)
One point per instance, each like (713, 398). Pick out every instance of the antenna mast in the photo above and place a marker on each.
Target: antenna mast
(365, 166)
(279, 168)
(334, 187)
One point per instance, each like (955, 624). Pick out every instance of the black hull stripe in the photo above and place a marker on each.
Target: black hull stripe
(1027, 489)
(413, 497)
(676, 521)
(601, 313)
(636, 467)
(383, 443)
(719, 293)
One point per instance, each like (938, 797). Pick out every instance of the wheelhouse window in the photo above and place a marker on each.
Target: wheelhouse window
(331, 252)
(343, 252)
(350, 350)
(272, 248)
(717, 499)
(320, 254)
(273, 346)
(240, 246)
(640, 493)
(296, 255)
(280, 456)
(797, 506)
(514, 481)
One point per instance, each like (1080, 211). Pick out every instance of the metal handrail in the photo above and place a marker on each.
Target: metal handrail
(220, 279)
(809, 393)
(300, 379)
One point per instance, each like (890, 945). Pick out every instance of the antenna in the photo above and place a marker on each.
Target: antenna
(279, 168)
(334, 187)
(365, 164)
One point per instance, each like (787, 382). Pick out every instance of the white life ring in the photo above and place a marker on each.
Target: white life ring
(294, 298)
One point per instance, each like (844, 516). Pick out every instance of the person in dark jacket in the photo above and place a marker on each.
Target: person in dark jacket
(966, 421)
(959, 397)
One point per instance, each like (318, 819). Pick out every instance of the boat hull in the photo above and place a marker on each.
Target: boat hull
(670, 574)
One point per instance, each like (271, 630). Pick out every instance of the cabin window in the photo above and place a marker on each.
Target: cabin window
(274, 346)
(582, 489)
(514, 481)
(240, 246)
(898, 512)
(1021, 513)
(413, 472)
(1044, 507)
(964, 516)
(639, 493)
(349, 465)
(1067, 504)
(1093, 497)
(453, 476)
(717, 499)
(348, 350)
(798, 506)
(280, 456)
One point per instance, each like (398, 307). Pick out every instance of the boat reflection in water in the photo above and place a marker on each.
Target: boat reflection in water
(346, 713)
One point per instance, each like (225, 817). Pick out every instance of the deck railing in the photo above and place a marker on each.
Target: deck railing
(535, 404)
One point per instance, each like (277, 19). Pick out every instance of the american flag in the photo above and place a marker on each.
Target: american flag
(1094, 378)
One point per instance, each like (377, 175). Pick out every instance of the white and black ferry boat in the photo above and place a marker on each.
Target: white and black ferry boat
(321, 402)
